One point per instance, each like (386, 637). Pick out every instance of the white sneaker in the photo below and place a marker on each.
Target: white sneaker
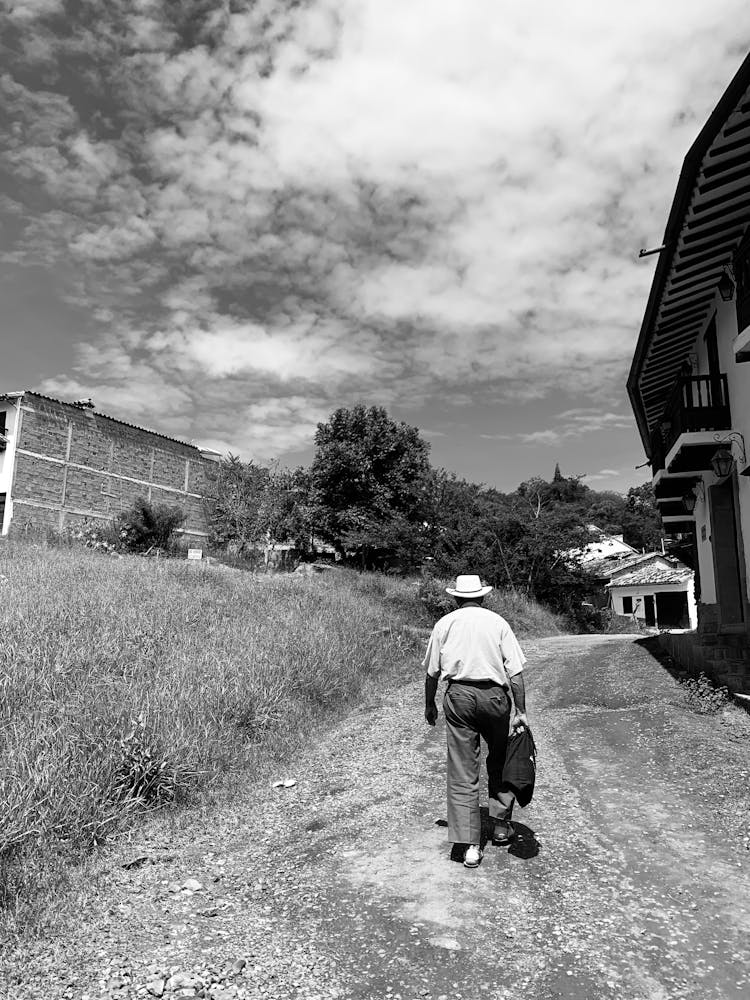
(472, 856)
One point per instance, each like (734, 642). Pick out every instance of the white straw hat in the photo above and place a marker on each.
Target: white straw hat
(468, 586)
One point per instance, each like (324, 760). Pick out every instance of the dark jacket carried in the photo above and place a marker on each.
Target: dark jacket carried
(519, 771)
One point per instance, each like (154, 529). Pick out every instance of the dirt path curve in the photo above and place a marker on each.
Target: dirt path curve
(631, 877)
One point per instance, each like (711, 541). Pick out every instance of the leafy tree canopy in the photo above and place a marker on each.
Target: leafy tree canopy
(373, 494)
(369, 477)
(257, 504)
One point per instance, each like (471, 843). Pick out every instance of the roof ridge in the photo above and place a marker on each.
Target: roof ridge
(99, 413)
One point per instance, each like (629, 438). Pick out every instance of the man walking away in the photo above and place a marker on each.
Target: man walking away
(477, 653)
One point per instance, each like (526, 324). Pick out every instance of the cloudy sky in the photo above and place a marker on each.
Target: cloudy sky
(225, 219)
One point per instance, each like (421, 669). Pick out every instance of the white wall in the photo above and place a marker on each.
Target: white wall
(738, 380)
(738, 377)
(637, 593)
(7, 459)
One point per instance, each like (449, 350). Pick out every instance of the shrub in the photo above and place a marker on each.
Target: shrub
(147, 526)
(434, 598)
(703, 696)
(142, 774)
(526, 616)
(101, 536)
(612, 623)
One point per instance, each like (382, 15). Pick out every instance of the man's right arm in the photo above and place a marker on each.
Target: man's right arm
(432, 663)
(518, 688)
(430, 691)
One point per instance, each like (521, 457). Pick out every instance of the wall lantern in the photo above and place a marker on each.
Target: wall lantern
(722, 463)
(725, 287)
(692, 496)
(688, 501)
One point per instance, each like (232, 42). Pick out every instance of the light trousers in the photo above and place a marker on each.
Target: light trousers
(480, 709)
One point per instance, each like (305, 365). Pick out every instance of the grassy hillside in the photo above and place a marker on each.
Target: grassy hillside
(127, 682)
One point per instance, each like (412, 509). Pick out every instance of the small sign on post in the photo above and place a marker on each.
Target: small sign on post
(195, 553)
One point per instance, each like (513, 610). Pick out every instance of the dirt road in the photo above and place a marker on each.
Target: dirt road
(630, 878)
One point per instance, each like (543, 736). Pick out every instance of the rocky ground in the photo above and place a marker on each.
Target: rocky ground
(630, 876)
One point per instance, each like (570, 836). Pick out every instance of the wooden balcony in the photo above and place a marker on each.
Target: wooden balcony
(697, 407)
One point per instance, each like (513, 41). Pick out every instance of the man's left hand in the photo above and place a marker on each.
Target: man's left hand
(431, 714)
(519, 722)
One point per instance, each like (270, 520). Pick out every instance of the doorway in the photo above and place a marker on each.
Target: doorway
(672, 610)
(728, 568)
(649, 609)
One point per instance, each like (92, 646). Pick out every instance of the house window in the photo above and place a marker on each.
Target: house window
(627, 605)
(2, 509)
(742, 278)
(3, 431)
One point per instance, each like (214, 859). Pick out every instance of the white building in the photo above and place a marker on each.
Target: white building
(602, 546)
(689, 382)
(658, 591)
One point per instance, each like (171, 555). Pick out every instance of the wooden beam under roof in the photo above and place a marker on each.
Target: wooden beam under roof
(729, 147)
(724, 180)
(709, 276)
(722, 166)
(706, 204)
(700, 242)
(668, 311)
(675, 329)
(678, 345)
(739, 203)
(703, 230)
(679, 327)
(701, 258)
(736, 127)
(666, 376)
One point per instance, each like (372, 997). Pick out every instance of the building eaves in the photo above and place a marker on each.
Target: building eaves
(712, 256)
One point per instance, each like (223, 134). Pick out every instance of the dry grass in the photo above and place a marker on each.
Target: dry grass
(126, 683)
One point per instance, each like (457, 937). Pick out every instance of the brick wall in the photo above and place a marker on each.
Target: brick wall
(722, 656)
(74, 464)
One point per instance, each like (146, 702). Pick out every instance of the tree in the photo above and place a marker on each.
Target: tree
(239, 488)
(258, 506)
(287, 513)
(369, 480)
(641, 521)
(565, 490)
(462, 525)
(606, 510)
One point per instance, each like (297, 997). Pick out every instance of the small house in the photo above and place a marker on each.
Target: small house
(657, 591)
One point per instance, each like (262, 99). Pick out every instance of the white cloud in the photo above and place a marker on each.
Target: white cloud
(364, 199)
(571, 425)
(287, 351)
(29, 10)
(604, 474)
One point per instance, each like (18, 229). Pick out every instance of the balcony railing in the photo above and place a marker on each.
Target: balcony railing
(696, 403)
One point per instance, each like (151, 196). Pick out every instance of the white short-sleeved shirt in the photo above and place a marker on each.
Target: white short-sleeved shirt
(473, 643)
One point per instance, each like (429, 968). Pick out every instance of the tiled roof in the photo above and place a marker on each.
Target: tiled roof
(611, 565)
(653, 574)
(116, 420)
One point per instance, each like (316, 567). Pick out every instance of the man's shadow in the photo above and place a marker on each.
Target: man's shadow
(522, 843)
